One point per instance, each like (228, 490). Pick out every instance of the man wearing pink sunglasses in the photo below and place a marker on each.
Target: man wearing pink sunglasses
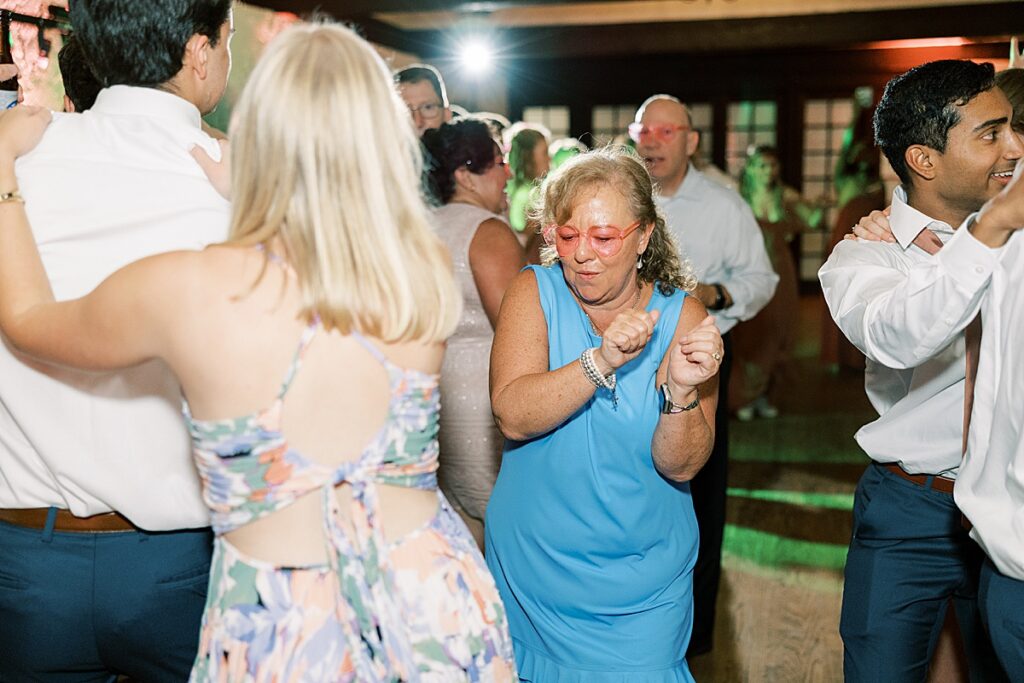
(715, 229)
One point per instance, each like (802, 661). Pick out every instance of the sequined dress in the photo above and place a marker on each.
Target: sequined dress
(423, 608)
(470, 442)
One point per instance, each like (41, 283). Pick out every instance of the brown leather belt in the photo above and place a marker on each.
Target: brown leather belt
(940, 484)
(35, 518)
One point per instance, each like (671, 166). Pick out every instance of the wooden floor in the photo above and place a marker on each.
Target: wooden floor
(791, 484)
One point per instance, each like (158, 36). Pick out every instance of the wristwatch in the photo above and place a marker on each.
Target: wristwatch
(668, 407)
(719, 298)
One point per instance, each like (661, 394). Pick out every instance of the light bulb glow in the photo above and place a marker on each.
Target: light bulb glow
(476, 57)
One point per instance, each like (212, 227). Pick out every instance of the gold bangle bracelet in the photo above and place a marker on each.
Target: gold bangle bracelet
(15, 196)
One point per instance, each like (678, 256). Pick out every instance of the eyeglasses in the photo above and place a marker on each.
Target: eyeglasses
(499, 161)
(430, 110)
(605, 240)
(664, 132)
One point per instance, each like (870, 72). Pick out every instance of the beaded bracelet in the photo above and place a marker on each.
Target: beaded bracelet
(595, 376)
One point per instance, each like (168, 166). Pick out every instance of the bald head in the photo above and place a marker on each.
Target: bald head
(666, 140)
(667, 106)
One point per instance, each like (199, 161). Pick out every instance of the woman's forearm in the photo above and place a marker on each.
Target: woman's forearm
(23, 280)
(682, 442)
(535, 404)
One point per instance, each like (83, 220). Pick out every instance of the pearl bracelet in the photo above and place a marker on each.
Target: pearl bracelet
(595, 376)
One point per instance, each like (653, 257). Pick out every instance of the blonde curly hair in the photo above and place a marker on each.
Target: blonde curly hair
(621, 169)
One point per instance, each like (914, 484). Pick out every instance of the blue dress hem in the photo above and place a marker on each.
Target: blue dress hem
(536, 667)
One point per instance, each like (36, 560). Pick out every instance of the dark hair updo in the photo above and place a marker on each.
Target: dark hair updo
(463, 143)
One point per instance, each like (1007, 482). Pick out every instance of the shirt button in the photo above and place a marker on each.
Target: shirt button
(979, 270)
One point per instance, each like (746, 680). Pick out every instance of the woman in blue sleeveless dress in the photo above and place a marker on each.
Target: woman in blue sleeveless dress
(591, 534)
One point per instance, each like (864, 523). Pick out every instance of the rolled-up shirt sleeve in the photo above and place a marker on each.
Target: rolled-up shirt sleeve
(901, 309)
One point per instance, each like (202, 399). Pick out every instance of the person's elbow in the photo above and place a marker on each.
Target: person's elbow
(509, 429)
(510, 423)
(681, 467)
(16, 333)
(683, 472)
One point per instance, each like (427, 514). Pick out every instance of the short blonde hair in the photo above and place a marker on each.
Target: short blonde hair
(619, 169)
(325, 159)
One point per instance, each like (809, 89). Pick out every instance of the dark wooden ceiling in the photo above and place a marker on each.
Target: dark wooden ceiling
(984, 21)
(353, 8)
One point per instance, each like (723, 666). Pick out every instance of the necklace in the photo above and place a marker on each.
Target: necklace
(636, 300)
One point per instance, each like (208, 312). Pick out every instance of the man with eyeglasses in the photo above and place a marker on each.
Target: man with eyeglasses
(717, 232)
(422, 90)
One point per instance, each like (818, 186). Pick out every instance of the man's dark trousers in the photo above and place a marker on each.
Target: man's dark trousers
(1001, 600)
(78, 607)
(909, 555)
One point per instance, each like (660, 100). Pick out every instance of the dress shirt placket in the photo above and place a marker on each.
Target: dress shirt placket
(930, 242)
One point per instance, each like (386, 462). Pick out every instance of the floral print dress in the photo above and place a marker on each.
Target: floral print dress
(421, 609)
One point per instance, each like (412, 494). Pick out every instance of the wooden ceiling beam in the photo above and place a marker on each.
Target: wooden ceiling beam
(687, 37)
(743, 35)
(346, 9)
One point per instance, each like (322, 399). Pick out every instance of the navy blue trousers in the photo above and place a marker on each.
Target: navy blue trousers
(1002, 607)
(90, 606)
(908, 557)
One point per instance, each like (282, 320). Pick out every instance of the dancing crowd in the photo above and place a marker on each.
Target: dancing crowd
(375, 389)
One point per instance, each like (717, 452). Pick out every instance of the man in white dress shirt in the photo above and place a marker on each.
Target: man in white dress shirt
(946, 131)
(990, 488)
(104, 538)
(716, 230)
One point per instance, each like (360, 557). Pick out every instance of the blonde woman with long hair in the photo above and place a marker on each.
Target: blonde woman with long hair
(307, 348)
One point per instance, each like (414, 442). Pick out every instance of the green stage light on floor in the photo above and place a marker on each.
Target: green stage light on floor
(832, 501)
(777, 552)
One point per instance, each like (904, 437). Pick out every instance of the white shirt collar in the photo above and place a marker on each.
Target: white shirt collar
(907, 222)
(129, 100)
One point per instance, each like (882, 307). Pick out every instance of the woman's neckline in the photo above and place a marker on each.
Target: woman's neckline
(638, 304)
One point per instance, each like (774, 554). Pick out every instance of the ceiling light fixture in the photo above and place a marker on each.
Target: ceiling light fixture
(476, 56)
